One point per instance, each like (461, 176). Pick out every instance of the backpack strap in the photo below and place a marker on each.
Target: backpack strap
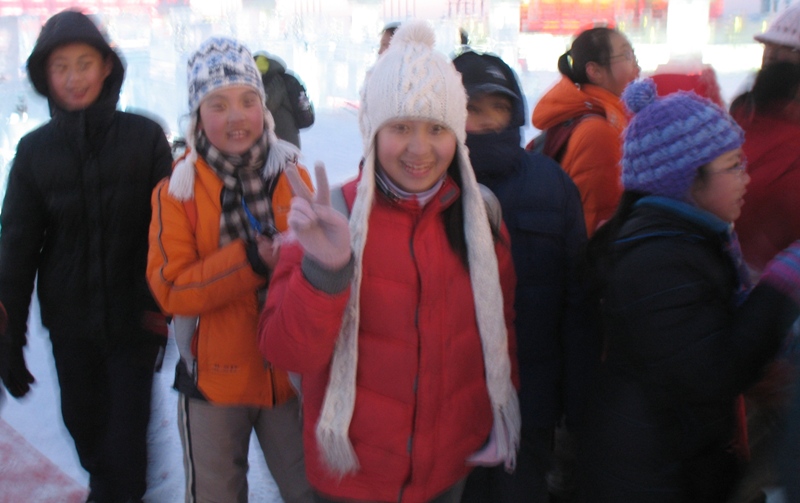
(553, 141)
(493, 209)
(338, 201)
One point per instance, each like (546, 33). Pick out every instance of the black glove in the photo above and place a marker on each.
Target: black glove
(13, 371)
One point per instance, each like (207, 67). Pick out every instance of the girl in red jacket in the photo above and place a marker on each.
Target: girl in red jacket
(402, 324)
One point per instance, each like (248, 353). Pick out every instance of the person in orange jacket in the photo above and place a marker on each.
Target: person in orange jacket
(212, 249)
(596, 69)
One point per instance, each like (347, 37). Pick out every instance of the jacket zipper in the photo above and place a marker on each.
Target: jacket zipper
(416, 378)
(271, 380)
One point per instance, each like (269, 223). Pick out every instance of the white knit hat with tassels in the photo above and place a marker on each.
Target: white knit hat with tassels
(223, 62)
(411, 80)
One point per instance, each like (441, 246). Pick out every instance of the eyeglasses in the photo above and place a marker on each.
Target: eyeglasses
(627, 55)
(738, 169)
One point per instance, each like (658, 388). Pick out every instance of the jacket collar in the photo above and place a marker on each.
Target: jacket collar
(688, 212)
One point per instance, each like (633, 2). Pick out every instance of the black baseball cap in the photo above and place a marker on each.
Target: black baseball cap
(486, 73)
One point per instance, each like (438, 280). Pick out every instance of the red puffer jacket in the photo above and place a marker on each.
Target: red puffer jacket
(770, 219)
(422, 406)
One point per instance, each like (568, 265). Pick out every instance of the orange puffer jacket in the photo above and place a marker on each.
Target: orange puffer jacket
(594, 149)
(191, 275)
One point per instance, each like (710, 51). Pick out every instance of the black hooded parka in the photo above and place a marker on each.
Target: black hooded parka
(77, 207)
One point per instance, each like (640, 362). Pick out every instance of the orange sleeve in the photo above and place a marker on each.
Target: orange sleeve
(182, 282)
(282, 198)
(592, 161)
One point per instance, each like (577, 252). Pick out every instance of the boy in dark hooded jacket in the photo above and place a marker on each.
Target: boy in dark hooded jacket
(76, 213)
(542, 210)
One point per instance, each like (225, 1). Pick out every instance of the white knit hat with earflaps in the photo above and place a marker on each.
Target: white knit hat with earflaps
(223, 62)
(411, 80)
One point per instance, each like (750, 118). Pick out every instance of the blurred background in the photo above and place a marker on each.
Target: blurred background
(330, 44)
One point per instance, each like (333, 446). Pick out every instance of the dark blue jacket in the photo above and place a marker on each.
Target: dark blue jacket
(542, 211)
(681, 345)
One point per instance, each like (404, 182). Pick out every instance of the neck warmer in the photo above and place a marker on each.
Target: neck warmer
(394, 192)
(494, 155)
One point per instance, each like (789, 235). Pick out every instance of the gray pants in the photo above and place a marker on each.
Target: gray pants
(216, 441)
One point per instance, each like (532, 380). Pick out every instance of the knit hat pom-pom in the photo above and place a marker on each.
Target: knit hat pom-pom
(639, 94)
(415, 32)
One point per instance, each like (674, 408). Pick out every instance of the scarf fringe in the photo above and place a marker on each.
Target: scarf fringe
(507, 419)
(337, 452)
(340, 397)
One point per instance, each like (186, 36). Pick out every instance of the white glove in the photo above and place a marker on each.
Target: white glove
(321, 230)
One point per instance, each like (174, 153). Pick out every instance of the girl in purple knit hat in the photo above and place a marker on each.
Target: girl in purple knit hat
(684, 332)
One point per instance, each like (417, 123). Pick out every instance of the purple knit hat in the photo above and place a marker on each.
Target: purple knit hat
(669, 138)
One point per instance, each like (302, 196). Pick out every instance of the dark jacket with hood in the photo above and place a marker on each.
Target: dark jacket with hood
(542, 210)
(682, 343)
(287, 100)
(77, 208)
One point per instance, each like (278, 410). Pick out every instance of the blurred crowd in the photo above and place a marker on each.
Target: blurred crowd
(607, 313)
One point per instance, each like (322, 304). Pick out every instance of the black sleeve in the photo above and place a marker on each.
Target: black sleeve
(162, 159)
(302, 109)
(580, 339)
(23, 222)
(672, 323)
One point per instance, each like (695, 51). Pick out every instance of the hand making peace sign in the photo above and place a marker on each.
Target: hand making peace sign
(321, 230)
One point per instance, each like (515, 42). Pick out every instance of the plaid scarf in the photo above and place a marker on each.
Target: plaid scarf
(243, 189)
